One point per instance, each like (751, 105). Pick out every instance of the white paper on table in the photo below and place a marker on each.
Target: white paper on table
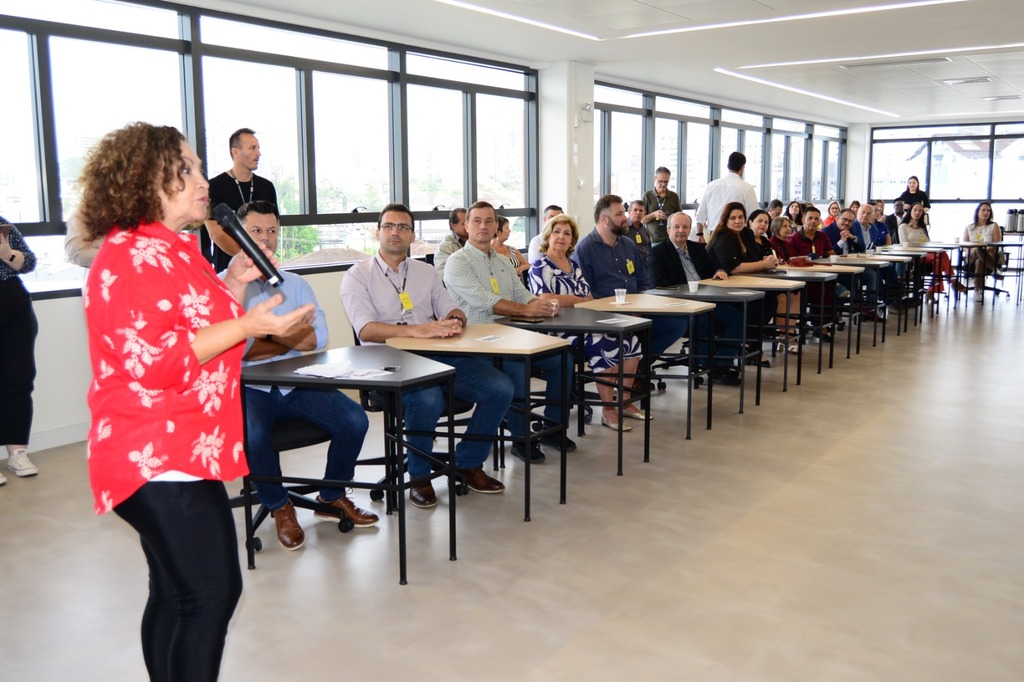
(339, 370)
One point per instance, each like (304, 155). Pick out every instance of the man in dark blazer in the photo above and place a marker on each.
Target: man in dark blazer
(677, 261)
(893, 220)
(666, 259)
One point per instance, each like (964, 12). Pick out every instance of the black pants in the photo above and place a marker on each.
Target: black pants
(18, 329)
(188, 536)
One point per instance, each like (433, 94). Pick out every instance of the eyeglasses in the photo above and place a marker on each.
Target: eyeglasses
(396, 227)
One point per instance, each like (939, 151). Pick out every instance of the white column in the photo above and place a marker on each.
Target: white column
(566, 132)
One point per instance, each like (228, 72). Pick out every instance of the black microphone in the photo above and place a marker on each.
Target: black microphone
(227, 219)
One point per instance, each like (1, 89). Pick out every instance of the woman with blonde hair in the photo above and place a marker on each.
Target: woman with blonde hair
(555, 276)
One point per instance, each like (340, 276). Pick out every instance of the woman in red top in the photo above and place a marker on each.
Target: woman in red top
(166, 338)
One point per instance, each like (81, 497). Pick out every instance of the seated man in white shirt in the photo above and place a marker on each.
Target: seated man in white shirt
(391, 295)
(486, 287)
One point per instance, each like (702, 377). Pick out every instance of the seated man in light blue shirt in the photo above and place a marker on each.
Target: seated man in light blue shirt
(486, 287)
(392, 295)
(332, 411)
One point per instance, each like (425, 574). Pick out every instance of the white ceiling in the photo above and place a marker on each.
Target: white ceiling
(685, 63)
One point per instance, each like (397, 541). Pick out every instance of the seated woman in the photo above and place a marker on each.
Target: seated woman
(785, 315)
(758, 224)
(511, 253)
(781, 229)
(735, 248)
(984, 260)
(554, 276)
(913, 232)
(795, 211)
(833, 214)
(733, 245)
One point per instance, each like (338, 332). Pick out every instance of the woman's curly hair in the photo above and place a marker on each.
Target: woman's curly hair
(123, 175)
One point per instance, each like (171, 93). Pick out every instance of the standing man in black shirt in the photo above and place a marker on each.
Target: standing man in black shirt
(235, 187)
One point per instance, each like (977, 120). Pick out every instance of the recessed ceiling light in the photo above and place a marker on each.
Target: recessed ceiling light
(513, 17)
(1001, 98)
(793, 17)
(891, 64)
(967, 81)
(894, 55)
(799, 91)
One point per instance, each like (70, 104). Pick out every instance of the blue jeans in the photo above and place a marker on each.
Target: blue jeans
(555, 375)
(477, 382)
(666, 330)
(332, 411)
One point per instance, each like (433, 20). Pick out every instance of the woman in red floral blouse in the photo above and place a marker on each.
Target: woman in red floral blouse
(166, 338)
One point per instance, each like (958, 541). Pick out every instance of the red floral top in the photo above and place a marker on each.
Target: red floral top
(154, 407)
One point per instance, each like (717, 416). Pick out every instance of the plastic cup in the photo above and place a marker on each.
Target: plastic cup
(833, 259)
(692, 286)
(620, 296)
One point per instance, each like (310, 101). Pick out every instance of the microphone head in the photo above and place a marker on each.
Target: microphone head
(222, 212)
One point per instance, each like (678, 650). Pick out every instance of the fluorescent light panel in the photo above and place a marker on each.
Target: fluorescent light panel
(761, 81)
(521, 20)
(894, 55)
(794, 17)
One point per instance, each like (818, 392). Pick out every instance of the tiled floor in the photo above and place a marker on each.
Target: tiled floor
(864, 526)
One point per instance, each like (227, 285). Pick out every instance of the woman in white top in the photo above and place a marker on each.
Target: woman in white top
(914, 232)
(984, 260)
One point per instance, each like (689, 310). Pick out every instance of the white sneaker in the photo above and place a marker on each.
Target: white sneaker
(3, 479)
(978, 296)
(21, 465)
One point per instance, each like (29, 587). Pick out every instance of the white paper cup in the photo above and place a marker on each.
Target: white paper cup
(620, 296)
(833, 259)
(692, 286)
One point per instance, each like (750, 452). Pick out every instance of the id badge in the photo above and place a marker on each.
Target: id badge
(639, 239)
(406, 300)
(629, 267)
(494, 285)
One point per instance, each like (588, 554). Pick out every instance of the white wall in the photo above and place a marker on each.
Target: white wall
(63, 374)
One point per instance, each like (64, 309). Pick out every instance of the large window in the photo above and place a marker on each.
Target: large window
(271, 116)
(627, 147)
(694, 140)
(352, 149)
(88, 107)
(698, 161)
(345, 124)
(957, 165)
(19, 177)
(436, 175)
(500, 150)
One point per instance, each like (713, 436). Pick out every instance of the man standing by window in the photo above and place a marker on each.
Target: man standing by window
(235, 187)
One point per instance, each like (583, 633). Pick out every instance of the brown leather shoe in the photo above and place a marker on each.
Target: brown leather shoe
(479, 482)
(423, 497)
(360, 517)
(289, 532)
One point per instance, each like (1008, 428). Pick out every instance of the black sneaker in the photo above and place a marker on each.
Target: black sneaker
(724, 375)
(555, 441)
(536, 456)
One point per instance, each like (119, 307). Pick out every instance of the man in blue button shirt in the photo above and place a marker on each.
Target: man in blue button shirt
(610, 261)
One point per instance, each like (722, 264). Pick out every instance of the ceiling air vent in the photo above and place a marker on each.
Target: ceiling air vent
(967, 81)
(903, 62)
